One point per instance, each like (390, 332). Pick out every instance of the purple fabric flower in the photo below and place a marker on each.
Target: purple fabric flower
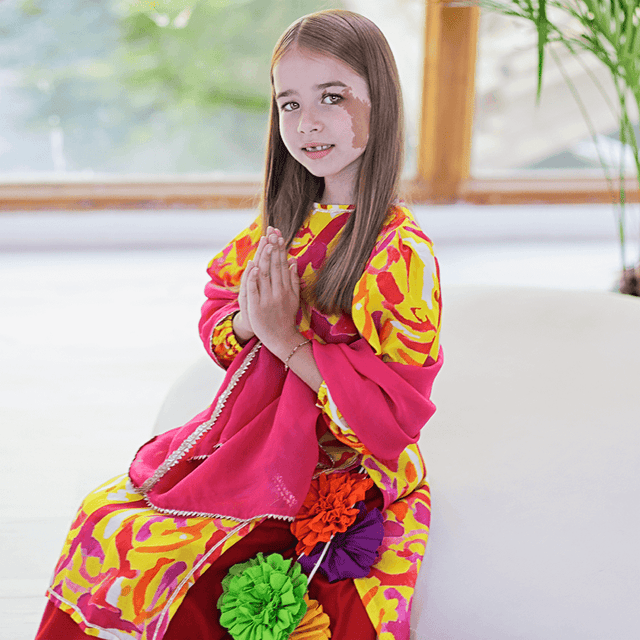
(350, 554)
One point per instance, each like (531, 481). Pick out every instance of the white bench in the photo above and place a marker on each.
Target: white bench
(534, 464)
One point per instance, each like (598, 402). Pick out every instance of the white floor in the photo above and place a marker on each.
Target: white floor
(98, 316)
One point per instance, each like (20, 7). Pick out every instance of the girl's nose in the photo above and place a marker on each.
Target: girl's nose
(309, 122)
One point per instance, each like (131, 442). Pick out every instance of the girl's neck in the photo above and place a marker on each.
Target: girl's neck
(338, 191)
(330, 198)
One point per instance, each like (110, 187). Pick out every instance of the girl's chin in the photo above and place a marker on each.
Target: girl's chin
(325, 170)
(314, 169)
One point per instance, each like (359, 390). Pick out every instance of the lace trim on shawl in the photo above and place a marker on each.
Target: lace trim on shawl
(204, 514)
(190, 441)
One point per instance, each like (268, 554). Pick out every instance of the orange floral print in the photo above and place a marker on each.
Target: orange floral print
(224, 343)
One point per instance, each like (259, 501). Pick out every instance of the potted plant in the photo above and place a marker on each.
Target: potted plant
(609, 30)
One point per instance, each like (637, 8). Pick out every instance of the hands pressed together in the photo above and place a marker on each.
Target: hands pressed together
(270, 297)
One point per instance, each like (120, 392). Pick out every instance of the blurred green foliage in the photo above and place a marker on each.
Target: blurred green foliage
(205, 52)
(139, 85)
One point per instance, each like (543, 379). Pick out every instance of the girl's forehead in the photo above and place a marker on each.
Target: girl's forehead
(300, 70)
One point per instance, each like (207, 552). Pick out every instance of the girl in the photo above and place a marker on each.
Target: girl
(296, 506)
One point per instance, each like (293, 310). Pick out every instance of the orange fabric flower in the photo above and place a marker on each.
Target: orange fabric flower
(314, 625)
(328, 508)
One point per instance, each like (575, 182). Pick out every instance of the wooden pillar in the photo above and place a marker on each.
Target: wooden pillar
(444, 150)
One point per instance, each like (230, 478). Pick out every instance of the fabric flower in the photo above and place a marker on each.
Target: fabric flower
(350, 554)
(263, 598)
(328, 508)
(314, 625)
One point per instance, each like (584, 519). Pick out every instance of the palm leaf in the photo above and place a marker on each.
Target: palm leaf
(542, 25)
(609, 30)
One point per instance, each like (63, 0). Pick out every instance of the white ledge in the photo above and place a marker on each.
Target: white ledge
(444, 224)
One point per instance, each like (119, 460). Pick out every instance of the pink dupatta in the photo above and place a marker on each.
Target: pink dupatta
(254, 451)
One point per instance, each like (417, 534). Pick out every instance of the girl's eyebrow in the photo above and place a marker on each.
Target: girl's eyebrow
(317, 87)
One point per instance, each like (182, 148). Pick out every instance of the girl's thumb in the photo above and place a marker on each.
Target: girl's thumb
(295, 278)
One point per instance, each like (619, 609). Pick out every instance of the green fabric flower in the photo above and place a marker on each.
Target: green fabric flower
(263, 598)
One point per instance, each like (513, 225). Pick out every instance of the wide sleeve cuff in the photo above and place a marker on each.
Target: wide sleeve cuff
(337, 424)
(224, 343)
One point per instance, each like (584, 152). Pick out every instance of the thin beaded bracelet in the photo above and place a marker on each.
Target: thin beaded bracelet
(286, 362)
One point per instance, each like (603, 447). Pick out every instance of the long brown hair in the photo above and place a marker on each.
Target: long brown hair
(290, 189)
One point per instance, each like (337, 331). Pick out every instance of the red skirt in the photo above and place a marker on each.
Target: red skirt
(197, 618)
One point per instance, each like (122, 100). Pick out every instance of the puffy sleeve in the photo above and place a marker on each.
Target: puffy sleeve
(397, 303)
(225, 271)
(376, 391)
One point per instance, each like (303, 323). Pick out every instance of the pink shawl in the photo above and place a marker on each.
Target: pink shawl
(254, 451)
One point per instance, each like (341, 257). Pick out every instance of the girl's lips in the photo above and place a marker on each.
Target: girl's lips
(316, 155)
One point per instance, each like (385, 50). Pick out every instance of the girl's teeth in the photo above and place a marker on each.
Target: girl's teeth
(322, 148)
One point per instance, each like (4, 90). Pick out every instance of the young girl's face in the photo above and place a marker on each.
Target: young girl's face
(324, 109)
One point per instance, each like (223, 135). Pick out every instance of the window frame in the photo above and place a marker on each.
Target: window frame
(443, 163)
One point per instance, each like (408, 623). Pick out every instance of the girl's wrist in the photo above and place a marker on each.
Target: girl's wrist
(286, 345)
(242, 333)
(302, 342)
(300, 359)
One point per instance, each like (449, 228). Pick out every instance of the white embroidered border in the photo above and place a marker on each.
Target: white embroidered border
(191, 440)
(199, 458)
(204, 558)
(110, 634)
(202, 514)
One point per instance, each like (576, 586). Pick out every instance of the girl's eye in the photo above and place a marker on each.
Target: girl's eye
(331, 98)
(289, 106)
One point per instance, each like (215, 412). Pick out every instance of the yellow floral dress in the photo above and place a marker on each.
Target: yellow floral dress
(125, 567)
